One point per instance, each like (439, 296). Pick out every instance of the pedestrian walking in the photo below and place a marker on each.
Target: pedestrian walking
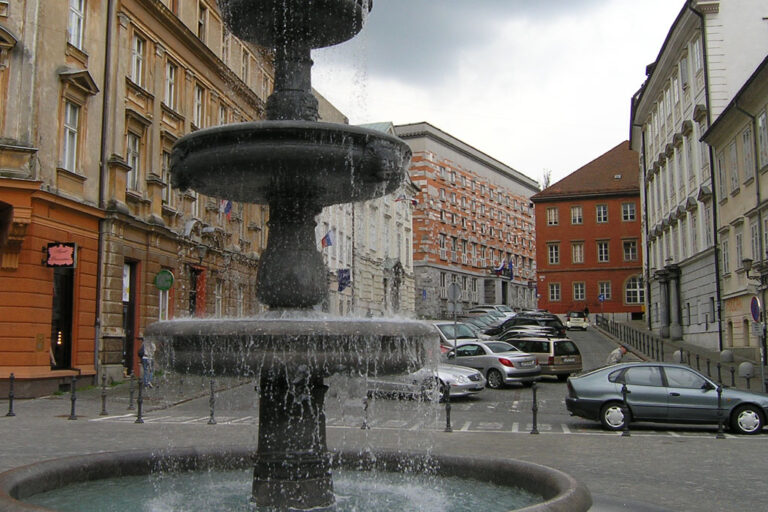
(617, 355)
(146, 353)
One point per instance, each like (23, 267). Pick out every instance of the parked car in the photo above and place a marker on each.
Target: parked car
(526, 331)
(503, 309)
(492, 313)
(429, 383)
(543, 319)
(662, 392)
(576, 320)
(453, 331)
(556, 356)
(500, 362)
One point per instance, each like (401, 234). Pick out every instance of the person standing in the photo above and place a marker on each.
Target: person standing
(146, 353)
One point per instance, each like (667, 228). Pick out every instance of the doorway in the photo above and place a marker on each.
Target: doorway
(129, 316)
(61, 318)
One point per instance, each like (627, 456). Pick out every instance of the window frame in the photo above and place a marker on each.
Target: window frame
(138, 52)
(170, 93)
(601, 213)
(133, 159)
(76, 23)
(577, 215)
(70, 152)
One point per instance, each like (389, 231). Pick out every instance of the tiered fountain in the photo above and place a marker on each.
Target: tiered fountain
(296, 165)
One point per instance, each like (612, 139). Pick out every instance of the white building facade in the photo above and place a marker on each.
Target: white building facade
(710, 50)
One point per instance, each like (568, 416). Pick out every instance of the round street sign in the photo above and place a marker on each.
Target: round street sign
(754, 308)
(164, 280)
(454, 292)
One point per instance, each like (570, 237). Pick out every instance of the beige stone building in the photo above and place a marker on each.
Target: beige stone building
(93, 95)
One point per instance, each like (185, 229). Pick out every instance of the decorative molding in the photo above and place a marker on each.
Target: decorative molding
(686, 128)
(81, 79)
(699, 112)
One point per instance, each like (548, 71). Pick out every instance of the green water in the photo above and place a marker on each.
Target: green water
(230, 491)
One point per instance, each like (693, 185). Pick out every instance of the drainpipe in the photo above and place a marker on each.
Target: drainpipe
(718, 293)
(758, 201)
(103, 175)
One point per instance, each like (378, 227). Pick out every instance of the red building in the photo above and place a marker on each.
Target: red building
(588, 238)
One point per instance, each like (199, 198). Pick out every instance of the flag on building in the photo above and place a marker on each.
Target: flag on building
(344, 278)
(327, 240)
(511, 269)
(501, 267)
(226, 208)
(402, 197)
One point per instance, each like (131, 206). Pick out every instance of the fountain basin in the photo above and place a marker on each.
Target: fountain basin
(318, 344)
(559, 492)
(275, 161)
(317, 24)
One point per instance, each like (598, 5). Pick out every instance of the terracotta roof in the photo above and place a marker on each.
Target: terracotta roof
(616, 172)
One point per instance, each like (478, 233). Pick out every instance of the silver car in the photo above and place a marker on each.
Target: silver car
(500, 362)
(662, 392)
(429, 384)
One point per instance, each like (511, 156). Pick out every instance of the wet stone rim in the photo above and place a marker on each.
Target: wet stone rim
(562, 493)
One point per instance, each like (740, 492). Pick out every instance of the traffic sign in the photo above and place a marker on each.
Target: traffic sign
(754, 308)
(454, 292)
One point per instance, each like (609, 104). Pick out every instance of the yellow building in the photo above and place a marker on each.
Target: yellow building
(93, 94)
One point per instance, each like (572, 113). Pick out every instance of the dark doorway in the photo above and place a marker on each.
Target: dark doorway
(61, 318)
(196, 292)
(504, 292)
(129, 315)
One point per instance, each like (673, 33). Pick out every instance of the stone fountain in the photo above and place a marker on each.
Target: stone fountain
(297, 165)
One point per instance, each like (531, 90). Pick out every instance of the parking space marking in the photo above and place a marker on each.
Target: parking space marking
(465, 426)
(566, 430)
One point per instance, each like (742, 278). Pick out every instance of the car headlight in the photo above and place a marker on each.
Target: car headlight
(460, 379)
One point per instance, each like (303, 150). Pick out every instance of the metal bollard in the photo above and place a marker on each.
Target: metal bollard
(365, 425)
(733, 376)
(709, 370)
(534, 410)
(73, 398)
(447, 398)
(720, 434)
(719, 374)
(11, 395)
(140, 403)
(131, 385)
(212, 404)
(104, 395)
(747, 379)
(662, 349)
(625, 407)
(697, 362)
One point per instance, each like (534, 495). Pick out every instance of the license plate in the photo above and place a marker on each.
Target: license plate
(526, 364)
(569, 359)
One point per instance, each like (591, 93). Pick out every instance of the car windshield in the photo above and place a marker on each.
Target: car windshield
(500, 346)
(462, 331)
(505, 309)
(576, 314)
(566, 348)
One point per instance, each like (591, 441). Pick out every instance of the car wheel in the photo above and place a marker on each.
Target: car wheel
(747, 419)
(495, 380)
(612, 416)
(563, 377)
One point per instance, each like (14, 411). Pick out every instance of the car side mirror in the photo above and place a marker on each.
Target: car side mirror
(707, 386)
(451, 355)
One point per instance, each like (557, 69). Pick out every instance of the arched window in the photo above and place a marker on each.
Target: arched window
(634, 292)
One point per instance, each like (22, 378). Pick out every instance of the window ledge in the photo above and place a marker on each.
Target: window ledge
(77, 54)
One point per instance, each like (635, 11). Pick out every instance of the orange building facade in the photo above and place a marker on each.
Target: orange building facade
(588, 238)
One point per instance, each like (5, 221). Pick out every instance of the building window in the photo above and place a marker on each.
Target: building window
(226, 41)
(696, 51)
(554, 292)
(75, 24)
(553, 216)
(747, 156)
(137, 60)
(577, 215)
(162, 305)
(578, 291)
(199, 111)
(166, 177)
(630, 250)
(577, 252)
(739, 241)
(733, 163)
(202, 21)
(725, 257)
(70, 141)
(628, 213)
(223, 114)
(604, 290)
(133, 159)
(602, 213)
(634, 291)
(762, 137)
(245, 66)
(754, 232)
(553, 251)
(171, 72)
(602, 251)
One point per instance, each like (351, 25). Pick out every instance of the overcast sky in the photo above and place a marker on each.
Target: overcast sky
(536, 84)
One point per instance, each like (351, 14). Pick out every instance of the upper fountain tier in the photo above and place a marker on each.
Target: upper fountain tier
(312, 23)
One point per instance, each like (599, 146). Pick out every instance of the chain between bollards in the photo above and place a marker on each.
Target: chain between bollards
(625, 410)
(11, 395)
(73, 397)
(534, 409)
(720, 434)
(131, 386)
(104, 395)
(447, 399)
(140, 403)
(365, 425)
(212, 404)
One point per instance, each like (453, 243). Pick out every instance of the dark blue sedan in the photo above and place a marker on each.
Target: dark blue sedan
(662, 392)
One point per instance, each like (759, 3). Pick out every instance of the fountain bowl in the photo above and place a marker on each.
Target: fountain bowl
(560, 492)
(317, 24)
(264, 161)
(321, 344)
